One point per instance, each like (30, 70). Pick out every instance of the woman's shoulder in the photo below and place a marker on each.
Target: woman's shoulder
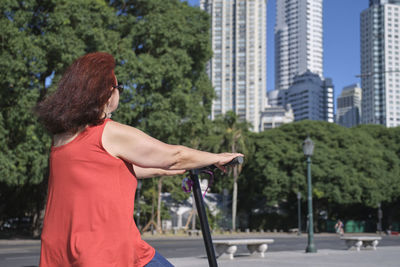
(120, 139)
(115, 129)
(115, 135)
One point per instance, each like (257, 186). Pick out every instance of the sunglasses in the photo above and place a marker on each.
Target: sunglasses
(120, 88)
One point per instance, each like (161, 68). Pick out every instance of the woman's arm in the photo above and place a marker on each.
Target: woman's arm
(142, 150)
(142, 173)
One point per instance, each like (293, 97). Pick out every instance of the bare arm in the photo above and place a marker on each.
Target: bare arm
(142, 150)
(142, 173)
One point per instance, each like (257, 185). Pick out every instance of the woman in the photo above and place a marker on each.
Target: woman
(94, 166)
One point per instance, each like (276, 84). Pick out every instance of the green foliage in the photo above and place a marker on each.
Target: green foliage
(167, 46)
(227, 134)
(357, 166)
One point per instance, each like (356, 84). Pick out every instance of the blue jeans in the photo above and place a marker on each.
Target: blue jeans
(159, 261)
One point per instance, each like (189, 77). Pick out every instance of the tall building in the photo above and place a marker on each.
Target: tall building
(238, 67)
(298, 40)
(380, 76)
(348, 112)
(310, 97)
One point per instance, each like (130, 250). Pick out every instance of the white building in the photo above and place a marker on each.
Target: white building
(380, 59)
(275, 116)
(310, 97)
(298, 40)
(238, 67)
(348, 113)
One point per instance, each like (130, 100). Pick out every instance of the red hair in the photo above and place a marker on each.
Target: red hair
(82, 93)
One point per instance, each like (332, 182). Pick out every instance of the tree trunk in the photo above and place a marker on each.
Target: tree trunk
(234, 194)
(38, 222)
(234, 197)
(316, 217)
(159, 229)
(194, 212)
(152, 212)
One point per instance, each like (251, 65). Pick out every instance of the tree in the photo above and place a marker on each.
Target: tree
(350, 167)
(170, 46)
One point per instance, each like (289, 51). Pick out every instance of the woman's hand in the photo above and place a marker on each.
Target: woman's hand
(226, 158)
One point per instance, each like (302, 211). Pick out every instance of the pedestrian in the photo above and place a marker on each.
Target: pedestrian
(389, 230)
(339, 227)
(94, 166)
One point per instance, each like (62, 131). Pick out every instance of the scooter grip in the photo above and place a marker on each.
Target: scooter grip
(235, 161)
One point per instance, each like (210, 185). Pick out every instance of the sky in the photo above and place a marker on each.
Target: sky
(341, 33)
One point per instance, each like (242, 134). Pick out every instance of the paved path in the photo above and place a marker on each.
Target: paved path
(177, 247)
(384, 256)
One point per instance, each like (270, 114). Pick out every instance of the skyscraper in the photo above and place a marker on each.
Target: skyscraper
(237, 69)
(380, 59)
(298, 40)
(348, 111)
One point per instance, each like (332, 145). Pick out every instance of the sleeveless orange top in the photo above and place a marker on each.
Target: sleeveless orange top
(89, 212)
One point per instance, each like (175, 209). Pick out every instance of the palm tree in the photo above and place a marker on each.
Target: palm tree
(230, 134)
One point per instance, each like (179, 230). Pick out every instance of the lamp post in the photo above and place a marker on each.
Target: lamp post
(298, 213)
(308, 149)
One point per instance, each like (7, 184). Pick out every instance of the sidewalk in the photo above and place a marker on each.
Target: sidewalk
(383, 256)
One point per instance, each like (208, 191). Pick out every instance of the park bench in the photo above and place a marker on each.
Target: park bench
(193, 232)
(361, 241)
(227, 248)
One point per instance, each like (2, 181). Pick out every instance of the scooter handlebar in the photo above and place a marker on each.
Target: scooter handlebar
(235, 161)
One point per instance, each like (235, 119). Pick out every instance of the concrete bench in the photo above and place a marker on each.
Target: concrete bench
(193, 232)
(364, 241)
(227, 248)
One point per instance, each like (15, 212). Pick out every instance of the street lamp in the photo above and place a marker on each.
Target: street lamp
(308, 149)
